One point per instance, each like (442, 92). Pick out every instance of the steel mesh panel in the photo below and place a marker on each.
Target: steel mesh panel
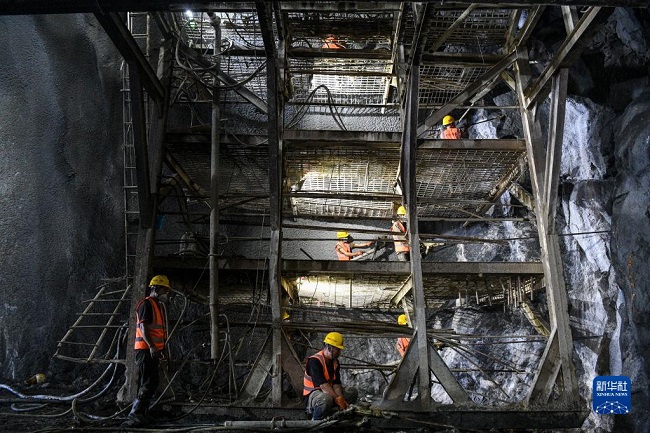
(243, 171)
(488, 288)
(343, 89)
(460, 174)
(339, 170)
(481, 29)
(349, 291)
(441, 83)
(240, 68)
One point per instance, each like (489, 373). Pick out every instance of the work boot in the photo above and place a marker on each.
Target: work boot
(136, 417)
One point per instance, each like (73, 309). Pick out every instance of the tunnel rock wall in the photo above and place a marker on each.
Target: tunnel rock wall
(60, 204)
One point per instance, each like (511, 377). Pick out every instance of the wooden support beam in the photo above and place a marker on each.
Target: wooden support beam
(408, 164)
(402, 291)
(128, 47)
(275, 117)
(566, 54)
(467, 93)
(292, 365)
(404, 376)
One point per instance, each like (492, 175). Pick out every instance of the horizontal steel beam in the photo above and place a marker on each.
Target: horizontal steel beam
(477, 144)
(353, 267)
(27, 7)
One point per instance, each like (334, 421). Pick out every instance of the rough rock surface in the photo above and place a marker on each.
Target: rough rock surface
(60, 110)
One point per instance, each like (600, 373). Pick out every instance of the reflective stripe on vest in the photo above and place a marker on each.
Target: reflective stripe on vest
(307, 381)
(156, 327)
(342, 246)
(452, 133)
(401, 244)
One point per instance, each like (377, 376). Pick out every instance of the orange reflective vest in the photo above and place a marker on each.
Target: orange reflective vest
(308, 383)
(342, 247)
(402, 345)
(451, 133)
(401, 244)
(156, 328)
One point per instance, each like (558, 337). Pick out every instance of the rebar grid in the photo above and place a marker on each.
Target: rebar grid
(460, 174)
(351, 30)
(242, 29)
(441, 83)
(480, 30)
(346, 169)
(243, 171)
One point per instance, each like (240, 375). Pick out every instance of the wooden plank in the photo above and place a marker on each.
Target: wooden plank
(520, 193)
(467, 93)
(570, 17)
(531, 23)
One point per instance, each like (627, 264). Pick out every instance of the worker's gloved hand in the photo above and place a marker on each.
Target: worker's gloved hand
(340, 401)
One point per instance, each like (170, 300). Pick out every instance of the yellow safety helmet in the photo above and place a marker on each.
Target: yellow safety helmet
(401, 210)
(334, 339)
(160, 280)
(341, 235)
(447, 120)
(401, 320)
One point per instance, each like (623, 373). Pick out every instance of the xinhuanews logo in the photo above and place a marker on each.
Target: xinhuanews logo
(612, 395)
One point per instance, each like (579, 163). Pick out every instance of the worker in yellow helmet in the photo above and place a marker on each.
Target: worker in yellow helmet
(150, 341)
(449, 129)
(402, 342)
(346, 244)
(402, 248)
(322, 380)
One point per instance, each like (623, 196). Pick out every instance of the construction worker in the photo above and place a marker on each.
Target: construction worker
(150, 340)
(449, 130)
(322, 380)
(331, 43)
(402, 248)
(345, 245)
(402, 342)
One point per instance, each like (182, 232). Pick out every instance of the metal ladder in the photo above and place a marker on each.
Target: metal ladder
(138, 24)
(101, 321)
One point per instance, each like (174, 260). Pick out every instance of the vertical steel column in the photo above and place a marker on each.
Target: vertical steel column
(215, 21)
(265, 14)
(409, 146)
(558, 353)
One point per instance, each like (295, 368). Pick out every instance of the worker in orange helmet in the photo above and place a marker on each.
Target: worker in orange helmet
(150, 340)
(331, 43)
(449, 129)
(402, 342)
(402, 248)
(322, 381)
(345, 245)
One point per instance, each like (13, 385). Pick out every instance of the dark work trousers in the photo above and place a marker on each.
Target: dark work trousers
(148, 369)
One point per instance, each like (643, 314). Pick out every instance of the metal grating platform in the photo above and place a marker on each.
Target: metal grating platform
(441, 83)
